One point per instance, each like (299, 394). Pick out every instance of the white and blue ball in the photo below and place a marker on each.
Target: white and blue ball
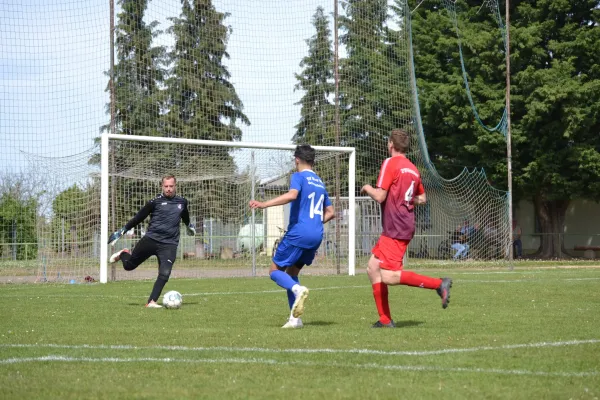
(172, 299)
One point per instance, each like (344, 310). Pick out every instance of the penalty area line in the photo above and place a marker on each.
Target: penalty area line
(407, 368)
(309, 351)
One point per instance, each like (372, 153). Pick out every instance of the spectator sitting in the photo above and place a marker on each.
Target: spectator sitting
(459, 243)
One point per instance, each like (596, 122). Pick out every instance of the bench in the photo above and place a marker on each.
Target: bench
(588, 251)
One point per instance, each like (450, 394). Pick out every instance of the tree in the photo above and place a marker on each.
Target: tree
(137, 78)
(454, 139)
(19, 203)
(138, 73)
(370, 92)
(203, 104)
(557, 108)
(555, 100)
(23, 197)
(18, 219)
(317, 121)
(74, 211)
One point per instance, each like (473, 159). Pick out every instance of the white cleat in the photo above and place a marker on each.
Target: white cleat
(153, 305)
(117, 256)
(293, 323)
(301, 296)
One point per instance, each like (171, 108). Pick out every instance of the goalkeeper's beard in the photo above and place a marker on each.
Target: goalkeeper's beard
(169, 195)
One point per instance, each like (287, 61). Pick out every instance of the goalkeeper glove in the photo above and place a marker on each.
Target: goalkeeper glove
(116, 236)
(191, 230)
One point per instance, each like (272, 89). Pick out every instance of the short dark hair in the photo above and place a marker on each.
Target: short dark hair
(306, 153)
(164, 178)
(400, 140)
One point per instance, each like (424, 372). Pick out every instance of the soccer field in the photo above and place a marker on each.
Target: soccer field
(530, 333)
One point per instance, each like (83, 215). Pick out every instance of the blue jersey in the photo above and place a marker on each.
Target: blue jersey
(305, 229)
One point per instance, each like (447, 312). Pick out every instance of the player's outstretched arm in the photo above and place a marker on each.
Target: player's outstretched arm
(277, 201)
(133, 222)
(140, 216)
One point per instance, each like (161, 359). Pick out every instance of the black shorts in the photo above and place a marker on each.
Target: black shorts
(146, 248)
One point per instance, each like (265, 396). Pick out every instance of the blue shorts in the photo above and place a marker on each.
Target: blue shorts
(288, 255)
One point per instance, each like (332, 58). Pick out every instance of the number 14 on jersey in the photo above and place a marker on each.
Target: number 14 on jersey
(316, 209)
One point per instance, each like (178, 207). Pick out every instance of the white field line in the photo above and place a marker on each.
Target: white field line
(523, 280)
(307, 351)
(409, 368)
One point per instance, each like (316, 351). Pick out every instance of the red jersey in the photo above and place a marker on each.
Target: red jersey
(401, 179)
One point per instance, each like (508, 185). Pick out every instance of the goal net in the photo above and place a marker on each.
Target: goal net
(219, 179)
(249, 72)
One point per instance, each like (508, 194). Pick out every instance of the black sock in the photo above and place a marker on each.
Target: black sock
(157, 289)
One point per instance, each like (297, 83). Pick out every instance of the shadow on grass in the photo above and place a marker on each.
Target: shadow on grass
(319, 323)
(406, 324)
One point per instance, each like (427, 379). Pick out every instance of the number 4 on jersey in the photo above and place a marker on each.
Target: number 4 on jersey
(316, 209)
(409, 192)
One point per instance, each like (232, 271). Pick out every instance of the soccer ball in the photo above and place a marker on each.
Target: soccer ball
(172, 299)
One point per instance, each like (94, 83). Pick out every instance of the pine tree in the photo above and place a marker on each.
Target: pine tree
(202, 103)
(364, 96)
(454, 139)
(316, 124)
(555, 100)
(138, 72)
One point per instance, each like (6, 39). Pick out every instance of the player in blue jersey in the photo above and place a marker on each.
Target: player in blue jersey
(310, 209)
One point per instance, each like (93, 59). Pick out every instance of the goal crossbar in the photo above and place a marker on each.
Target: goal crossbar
(104, 213)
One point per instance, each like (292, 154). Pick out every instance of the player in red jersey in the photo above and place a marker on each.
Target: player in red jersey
(398, 189)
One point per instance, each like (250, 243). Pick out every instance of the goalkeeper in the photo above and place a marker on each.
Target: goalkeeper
(166, 211)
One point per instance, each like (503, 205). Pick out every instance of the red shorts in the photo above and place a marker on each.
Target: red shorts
(390, 252)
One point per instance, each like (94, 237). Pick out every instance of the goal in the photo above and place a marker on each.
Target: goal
(219, 179)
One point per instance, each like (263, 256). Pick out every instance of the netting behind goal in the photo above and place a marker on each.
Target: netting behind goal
(219, 181)
(227, 70)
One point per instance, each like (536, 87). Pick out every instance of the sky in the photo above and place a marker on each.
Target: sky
(54, 55)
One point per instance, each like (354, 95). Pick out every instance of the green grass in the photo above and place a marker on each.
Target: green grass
(529, 333)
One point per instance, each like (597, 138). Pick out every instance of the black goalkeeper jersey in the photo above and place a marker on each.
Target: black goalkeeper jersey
(165, 215)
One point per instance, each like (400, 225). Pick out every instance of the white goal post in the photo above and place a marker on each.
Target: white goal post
(126, 144)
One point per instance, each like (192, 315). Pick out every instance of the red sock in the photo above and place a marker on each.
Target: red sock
(411, 279)
(384, 301)
(380, 293)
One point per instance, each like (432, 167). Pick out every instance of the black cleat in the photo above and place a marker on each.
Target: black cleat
(379, 324)
(444, 291)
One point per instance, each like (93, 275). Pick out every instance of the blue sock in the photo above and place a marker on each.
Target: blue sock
(282, 279)
(291, 295)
